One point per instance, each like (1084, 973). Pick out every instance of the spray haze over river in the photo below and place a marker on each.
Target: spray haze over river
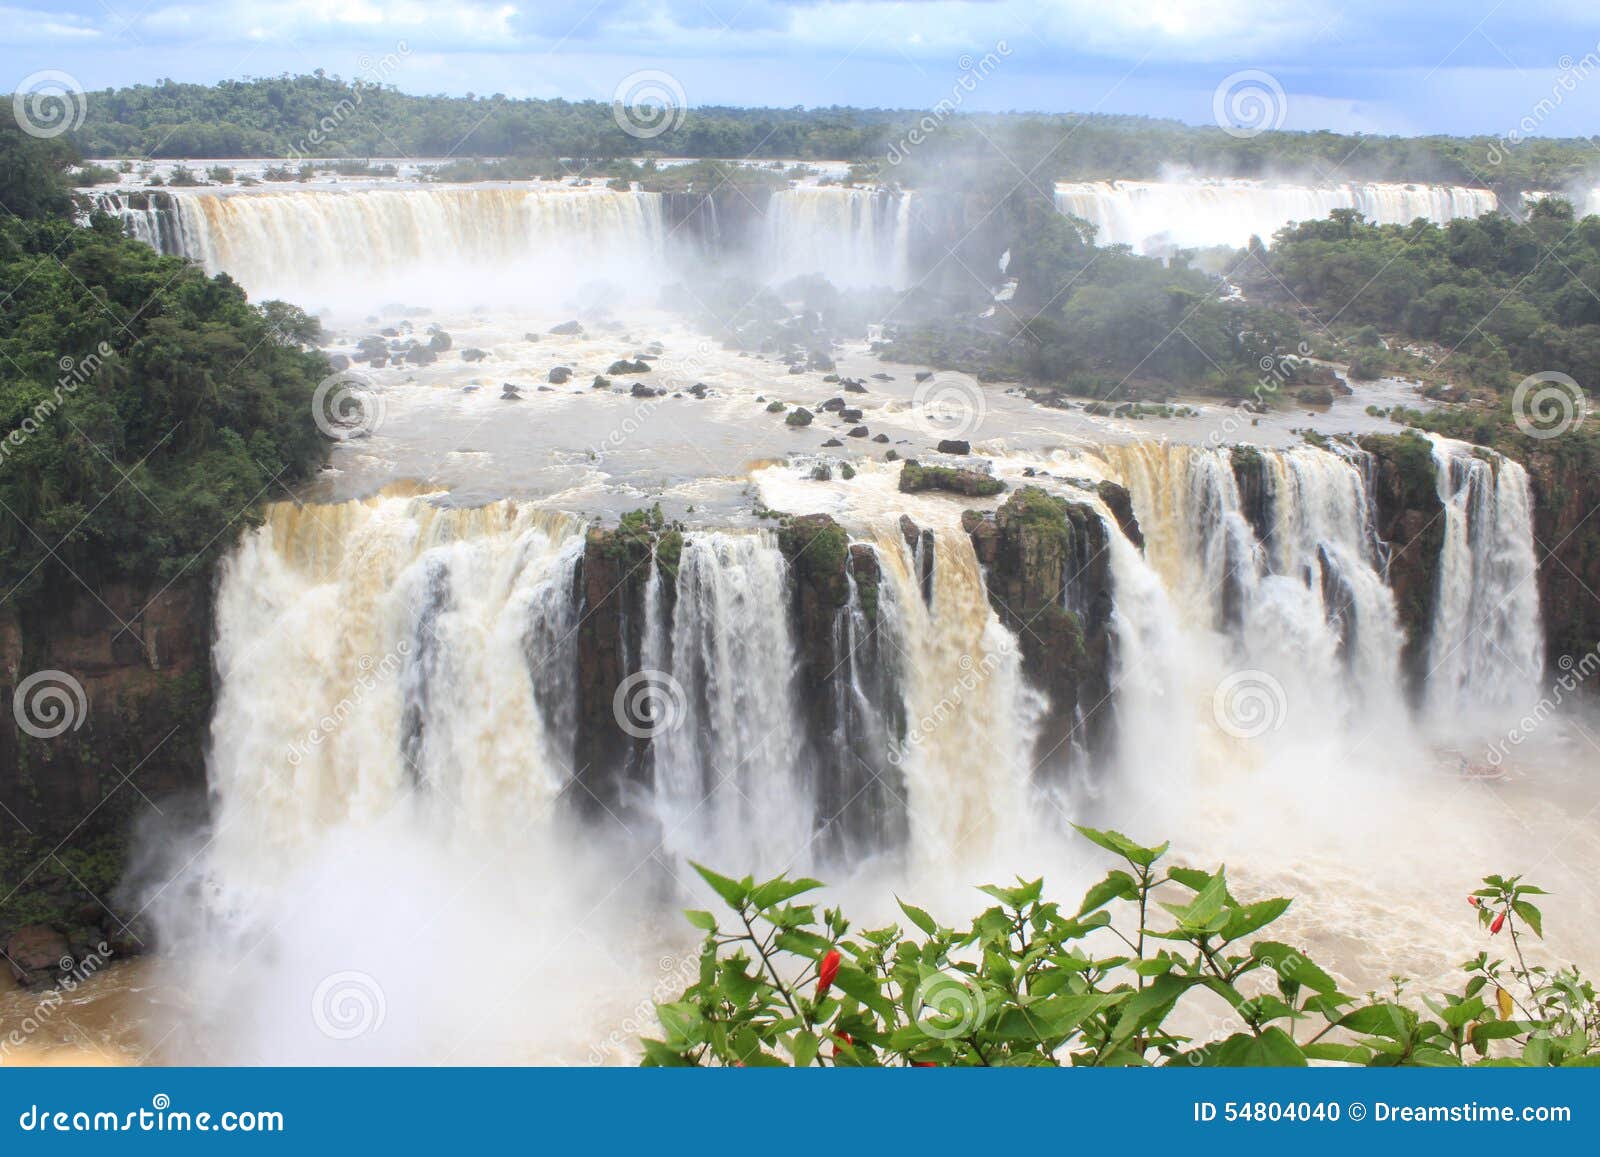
(412, 830)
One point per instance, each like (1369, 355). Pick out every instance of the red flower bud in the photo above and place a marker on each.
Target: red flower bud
(924, 1064)
(1498, 921)
(845, 1037)
(1473, 900)
(826, 971)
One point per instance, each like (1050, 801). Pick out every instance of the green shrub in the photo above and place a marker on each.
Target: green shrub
(1031, 982)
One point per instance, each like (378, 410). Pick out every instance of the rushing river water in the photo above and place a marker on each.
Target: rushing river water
(396, 731)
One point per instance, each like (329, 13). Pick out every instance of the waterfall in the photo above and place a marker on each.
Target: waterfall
(1486, 649)
(446, 245)
(727, 768)
(1156, 217)
(1276, 553)
(856, 238)
(395, 653)
(373, 649)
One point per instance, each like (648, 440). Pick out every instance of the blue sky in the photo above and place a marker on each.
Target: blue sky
(1465, 66)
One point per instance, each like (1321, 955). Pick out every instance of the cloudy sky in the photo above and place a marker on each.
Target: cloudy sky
(1397, 67)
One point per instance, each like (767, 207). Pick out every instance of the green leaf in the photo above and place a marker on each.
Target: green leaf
(1289, 962)
(1250, 917)
(1272, 1049)
(705, 921)
(1383, 1020)
(1117, 885)
(803, 1047)
(733, 892)
(1531, 916)
(1123, 846)
(684, 1025)
(1330, 1051)
(918, 917)
(776, 891)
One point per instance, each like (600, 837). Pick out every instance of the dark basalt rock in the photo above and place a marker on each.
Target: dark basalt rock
(1048, 574)
(916, 478)
(1120, 503)
(799, 416)
(567, 329)
(560, 375)
(857, 432)
(624, 366)
(473, 354)
(955, 446)
(1410, 519)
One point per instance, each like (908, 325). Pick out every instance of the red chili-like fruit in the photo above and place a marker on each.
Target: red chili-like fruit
(826, 971)
(1473, 900)
(1498, 921)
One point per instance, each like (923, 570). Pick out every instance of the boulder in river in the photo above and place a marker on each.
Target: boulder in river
(560, 375)
(567, 329)
(955, 446)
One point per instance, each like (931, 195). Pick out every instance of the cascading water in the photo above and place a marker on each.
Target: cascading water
(856, 238)
(1486, 650)
(1157, 216)
(441, 246)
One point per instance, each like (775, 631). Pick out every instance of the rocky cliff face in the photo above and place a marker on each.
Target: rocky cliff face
(1410, 519)
(1565, 472)
(1049, 580)
(109, 700)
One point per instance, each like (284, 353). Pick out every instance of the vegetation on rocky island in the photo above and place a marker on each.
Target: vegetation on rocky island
(1158, 964)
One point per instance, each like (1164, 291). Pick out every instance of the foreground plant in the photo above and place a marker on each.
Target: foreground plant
(1152, 951)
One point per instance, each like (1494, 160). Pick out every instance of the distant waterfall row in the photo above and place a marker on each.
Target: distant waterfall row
(508, 244)
(1156, 217)
(504, 667)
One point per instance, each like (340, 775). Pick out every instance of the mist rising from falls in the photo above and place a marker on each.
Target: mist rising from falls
(856, 238)
(1158, 216)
